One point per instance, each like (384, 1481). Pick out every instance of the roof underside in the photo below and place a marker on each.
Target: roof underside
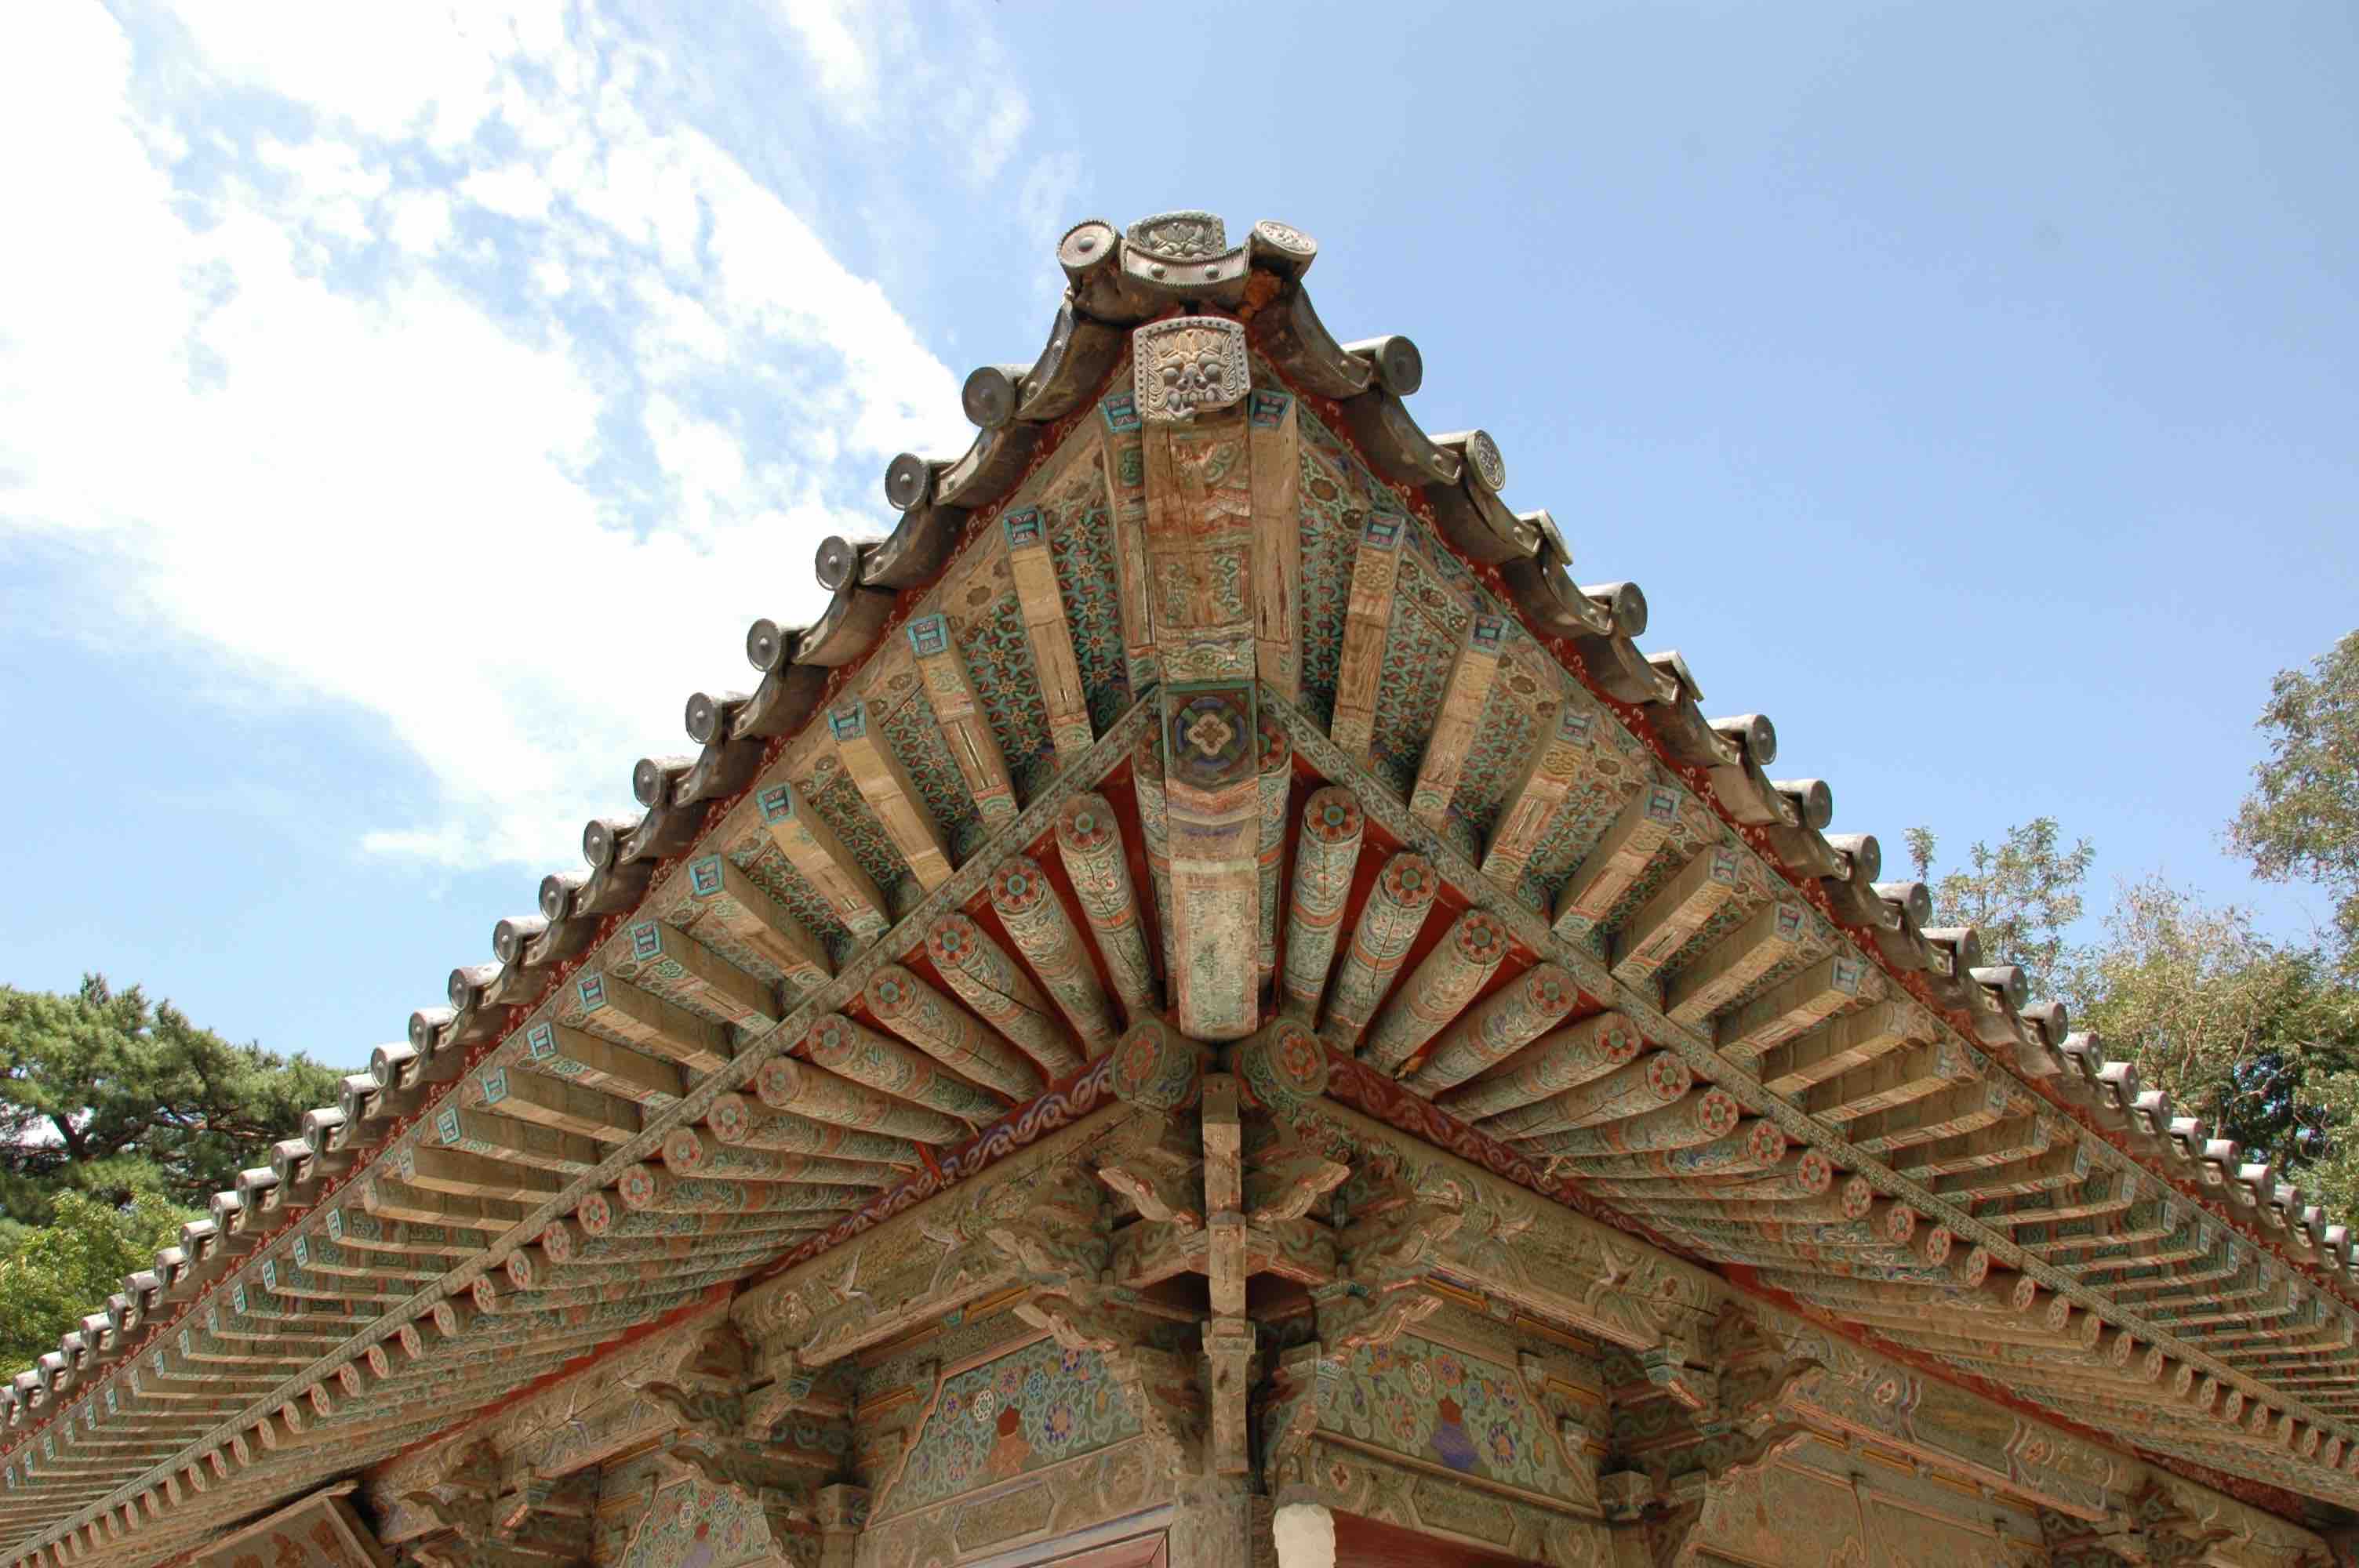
(860, 922)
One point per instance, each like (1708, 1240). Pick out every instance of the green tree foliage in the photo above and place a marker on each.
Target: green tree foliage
(2301, 820)
(2023, 895)
(106, 1093)
(50, 1277)
(2259, 1038)
(2250, 1035)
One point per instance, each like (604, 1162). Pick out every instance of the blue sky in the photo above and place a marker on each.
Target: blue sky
(398, 419)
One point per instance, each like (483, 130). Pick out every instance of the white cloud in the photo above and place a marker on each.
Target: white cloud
(491, 409)
(842, 49)
(940, 73)
(512, 190)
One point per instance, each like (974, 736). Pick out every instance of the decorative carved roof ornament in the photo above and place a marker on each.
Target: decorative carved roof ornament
(1189, 366)
(1180, 236)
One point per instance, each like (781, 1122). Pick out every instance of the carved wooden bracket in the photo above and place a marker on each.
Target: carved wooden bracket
(541, 1521)
(2153, 1531)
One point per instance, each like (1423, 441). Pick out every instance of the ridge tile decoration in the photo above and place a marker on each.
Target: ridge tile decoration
(1216, 1008)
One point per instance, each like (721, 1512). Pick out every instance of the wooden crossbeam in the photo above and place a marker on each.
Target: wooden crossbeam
(567, 1105)
(812, 847)
(1557, 758)
(974, 746)
(1048, 628)
(883, 782)
(740, 906)
(1451, 740)
(1617, 861)
(1674, 913)
(641, 1019)
(1367, 623)
(578, 1056)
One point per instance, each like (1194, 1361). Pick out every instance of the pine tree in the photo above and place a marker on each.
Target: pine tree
(106, 1094)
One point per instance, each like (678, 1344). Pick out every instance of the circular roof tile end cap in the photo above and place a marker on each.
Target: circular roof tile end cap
(991, 394)
(909, 481)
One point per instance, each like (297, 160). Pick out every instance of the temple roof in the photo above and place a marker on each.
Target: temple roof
(834, 953)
